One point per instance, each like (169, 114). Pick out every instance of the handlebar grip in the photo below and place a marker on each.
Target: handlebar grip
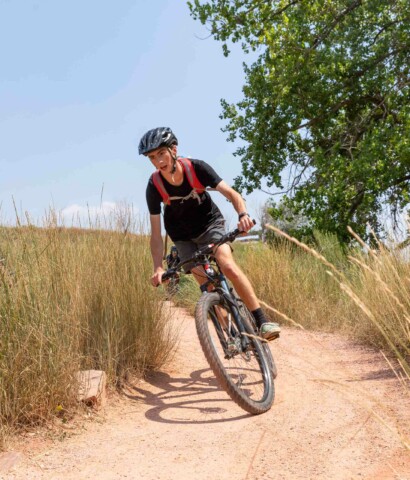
(168, 274)
(237, 232)
(165, 276)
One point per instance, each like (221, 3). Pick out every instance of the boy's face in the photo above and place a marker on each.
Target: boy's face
(162, 159)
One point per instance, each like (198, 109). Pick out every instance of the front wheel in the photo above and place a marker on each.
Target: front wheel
(246, 313)
(238, 361)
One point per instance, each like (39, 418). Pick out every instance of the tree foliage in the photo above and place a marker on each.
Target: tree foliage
(325, 114)
(294, 224)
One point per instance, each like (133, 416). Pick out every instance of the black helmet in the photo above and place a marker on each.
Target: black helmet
(156, 138)
(174, 248)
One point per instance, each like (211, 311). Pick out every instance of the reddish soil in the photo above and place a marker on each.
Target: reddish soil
(339, 413)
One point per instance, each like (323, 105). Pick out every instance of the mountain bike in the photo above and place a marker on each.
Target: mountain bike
(240, 359)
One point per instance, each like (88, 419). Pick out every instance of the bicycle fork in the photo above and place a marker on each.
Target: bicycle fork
(233, 311)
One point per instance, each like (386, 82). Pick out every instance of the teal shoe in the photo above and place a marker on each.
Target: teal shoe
(269, 331)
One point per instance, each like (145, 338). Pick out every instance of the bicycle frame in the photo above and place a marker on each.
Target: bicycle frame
(244, 366)
(218, 281)
(221, 285)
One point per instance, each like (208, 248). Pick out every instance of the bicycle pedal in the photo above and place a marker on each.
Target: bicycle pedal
(256, 337)
(232, 347)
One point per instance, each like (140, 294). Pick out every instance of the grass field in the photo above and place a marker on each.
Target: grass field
(73, 299)
(358, 293)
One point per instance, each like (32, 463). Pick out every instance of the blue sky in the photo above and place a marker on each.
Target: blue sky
(81, 81)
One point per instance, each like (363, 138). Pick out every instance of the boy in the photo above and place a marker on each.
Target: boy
(191, 218)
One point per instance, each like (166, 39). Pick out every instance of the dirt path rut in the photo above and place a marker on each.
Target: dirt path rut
(339, 413)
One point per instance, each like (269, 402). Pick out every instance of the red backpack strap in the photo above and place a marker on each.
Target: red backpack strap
(159, 185)
(191, 175)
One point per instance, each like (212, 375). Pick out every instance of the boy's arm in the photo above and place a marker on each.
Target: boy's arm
(245, 223)
(157, 246)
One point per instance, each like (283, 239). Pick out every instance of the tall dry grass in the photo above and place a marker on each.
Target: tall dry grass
(73, 299)
(366, 297)
(359, 293)
(297, 284)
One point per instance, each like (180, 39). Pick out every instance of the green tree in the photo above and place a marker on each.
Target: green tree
(294, 224)
(325, 113)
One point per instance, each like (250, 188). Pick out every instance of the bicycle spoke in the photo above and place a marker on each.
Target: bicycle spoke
(242, 366)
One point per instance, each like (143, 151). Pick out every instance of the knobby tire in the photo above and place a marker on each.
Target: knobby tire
(245, 312)
(239, 384)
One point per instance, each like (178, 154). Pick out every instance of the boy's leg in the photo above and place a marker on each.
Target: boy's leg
(223, 254)
(200, 277)
(239, 280)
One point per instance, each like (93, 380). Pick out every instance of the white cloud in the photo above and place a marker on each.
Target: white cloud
(108, 215)
(75, 210)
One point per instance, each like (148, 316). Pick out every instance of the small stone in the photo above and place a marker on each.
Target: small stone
(91, 389)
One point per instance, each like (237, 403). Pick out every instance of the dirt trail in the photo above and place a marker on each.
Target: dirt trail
(336, 416)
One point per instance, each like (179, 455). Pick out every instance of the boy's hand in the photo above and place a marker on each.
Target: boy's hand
(245, 223)
(156, 279)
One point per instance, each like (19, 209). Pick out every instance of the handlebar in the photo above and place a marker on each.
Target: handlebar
(228, 237)
(169, 273)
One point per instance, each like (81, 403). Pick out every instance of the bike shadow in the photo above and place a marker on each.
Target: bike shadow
(172, 400)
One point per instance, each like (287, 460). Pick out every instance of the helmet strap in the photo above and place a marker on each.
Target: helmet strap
(174, 157)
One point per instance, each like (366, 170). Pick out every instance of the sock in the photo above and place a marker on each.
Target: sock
(259, 316)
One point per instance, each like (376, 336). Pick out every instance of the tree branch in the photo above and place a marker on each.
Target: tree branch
(239, 17)
(273, 194)
(360, 195)
(400, 180)
(378, 60)
(386, 27)
(356, 203)
(318, 40)
(334, 109)
(281, 10)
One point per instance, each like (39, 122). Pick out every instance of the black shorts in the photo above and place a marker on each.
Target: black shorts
(187, 248)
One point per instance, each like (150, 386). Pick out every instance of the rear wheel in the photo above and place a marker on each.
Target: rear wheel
(238, 361)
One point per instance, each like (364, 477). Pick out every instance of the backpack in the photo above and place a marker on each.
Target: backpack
(189, 170)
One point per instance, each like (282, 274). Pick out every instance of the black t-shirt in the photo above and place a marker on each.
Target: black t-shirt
(186, 219)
